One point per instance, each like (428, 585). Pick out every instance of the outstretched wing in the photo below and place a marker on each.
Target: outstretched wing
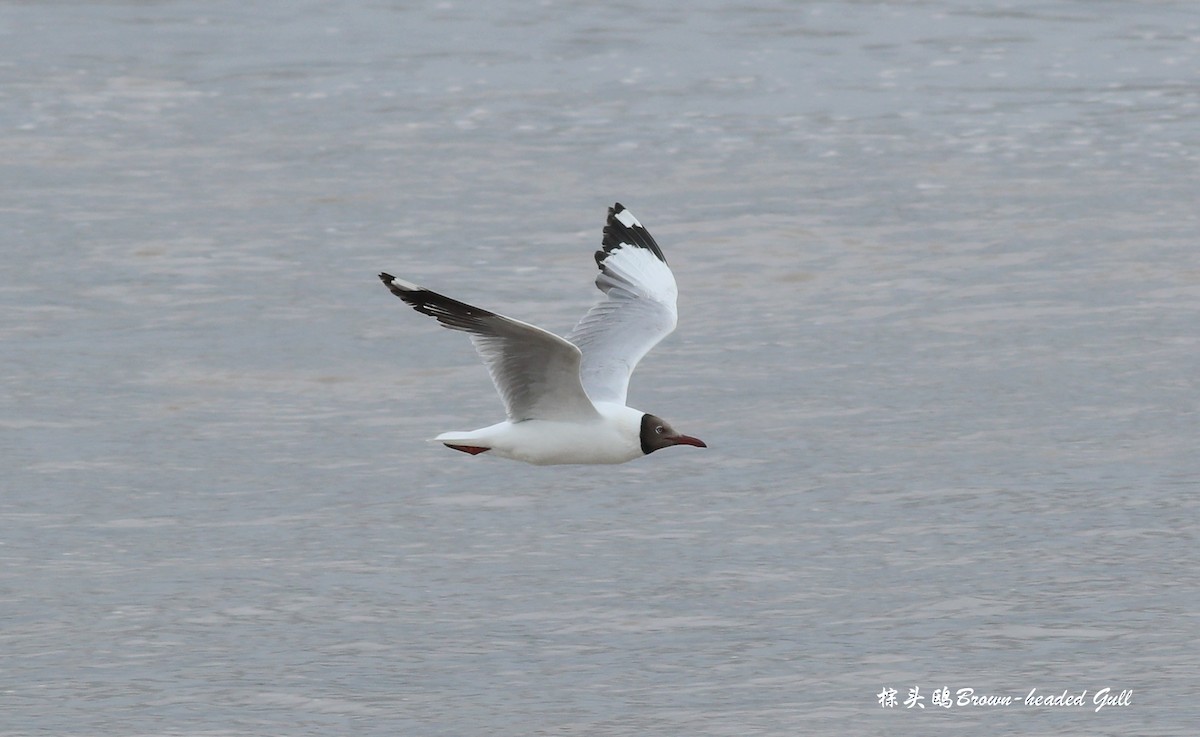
(637, 312)
(535, 372)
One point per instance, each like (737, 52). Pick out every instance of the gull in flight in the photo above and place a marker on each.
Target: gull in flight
(566, 396)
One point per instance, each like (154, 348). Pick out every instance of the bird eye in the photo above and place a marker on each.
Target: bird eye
(659, 429)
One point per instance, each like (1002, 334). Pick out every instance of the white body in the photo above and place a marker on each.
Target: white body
(612, 437)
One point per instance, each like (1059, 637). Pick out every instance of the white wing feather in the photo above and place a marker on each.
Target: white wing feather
(637, 312)
(535, 372)
(542, 376)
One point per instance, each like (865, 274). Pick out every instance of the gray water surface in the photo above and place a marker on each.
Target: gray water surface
(940, 298)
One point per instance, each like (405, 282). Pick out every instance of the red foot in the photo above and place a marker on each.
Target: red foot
(472, 449)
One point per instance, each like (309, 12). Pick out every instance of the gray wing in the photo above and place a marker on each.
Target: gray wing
(638, 310)
(535, 372)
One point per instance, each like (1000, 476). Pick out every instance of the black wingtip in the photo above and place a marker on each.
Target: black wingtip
(626, 230)
(449, 312)
(402, 289)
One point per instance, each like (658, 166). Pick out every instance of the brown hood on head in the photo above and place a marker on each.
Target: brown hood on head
(657, 434)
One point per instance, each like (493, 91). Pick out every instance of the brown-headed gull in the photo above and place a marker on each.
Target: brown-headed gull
(566, 397)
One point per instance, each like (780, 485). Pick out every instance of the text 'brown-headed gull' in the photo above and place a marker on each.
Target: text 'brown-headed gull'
(566, 397)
